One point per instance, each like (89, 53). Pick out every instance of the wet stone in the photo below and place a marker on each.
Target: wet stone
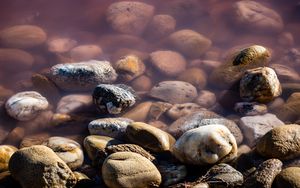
(206, 99)
(171, 173)
(250, 108)
(26, 105)
(286, 73)
(113, 99)
(82, 76)
(85, 52)
(179, 110)
(60, 44)
(73, 103)
(161, 25)
(288, 177)
(194, 76)
(111, 127)
(6, 151)
(157, 109)
(140, 112)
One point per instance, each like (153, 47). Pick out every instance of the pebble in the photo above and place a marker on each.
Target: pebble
(66, 149)
(149, 137)
(194, 76)
(171, 173)
(60, 44)
(290, 110)
(288, 178)
(189, 42)
(11, 58)
(26, 105)
(175, 92)
(255, 16)
(207, 144)
(254, 127)
(141, 83)
(264, 174)
(282, 142)
(85, 52)
(5, 93)
(23, 36)
(6, 151)
(158, 109)
(206, 99)
(74, 103)
(36, 139)
(82, 76)
(129, 67)
(286, 73)
(122, 52)
(161, 25)
(33, 165)
(207, 65)
(260, 84)
(250, 108)
(129, 17)
(169, 63)
(179, 110)
(125, 169)
(113, 99)
(140, 112)
(111, 127)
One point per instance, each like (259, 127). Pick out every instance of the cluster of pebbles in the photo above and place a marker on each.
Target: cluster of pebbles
(178, 112)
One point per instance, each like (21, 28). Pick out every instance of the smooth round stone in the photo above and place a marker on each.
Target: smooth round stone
(33, 165)
(111, 127)
(139, 112)
(85, 52)
(11, 58)
(223, 174)
(66, 149)
(169, 63)
(194, 76)
(158, 109)
(60, 44)
(179, 110)
(23, 36)
(260, 84)
(82, 76)
(122, 52)
(113, 99)
(161, 25)
(175, 92)
(205, 145)
(285, 73)
(141, 83)
(288, 178)
(290, 110)
(129, 17)
(36, 139)
(129, 67)
(282, 142)
(26, 105)
(256, 16)
(125, 169)
(207, 65)
(6, 151)
(250, 108)
(74, 103)
(264, 174)
(206, 99)
(171, 173)
(149, 137)
(189, 42)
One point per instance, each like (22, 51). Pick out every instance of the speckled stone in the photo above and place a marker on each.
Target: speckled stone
(113, 99)
(26, 105)
(6, 151)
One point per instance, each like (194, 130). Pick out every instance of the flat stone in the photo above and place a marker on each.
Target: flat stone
(140, 112)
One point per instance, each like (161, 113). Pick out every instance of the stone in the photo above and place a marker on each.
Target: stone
(149, 137)
(290, 110)
(82, 76)
(175, 92)
(6, 151)
(250, 108)
(68, 150)
(85, 52)
(171, 173)
(288, 178)
(122, 52)
(254, 127)
(161, 25)
(113, 99)
(190, 43)
(285, 73)
(201, 118)
(139, 112)
(129, 17)
(158, 109)
(141, 83)
(286, 39)
(207, 65)
(26, 105)
(205, 145)
(83, 180)
(179, 110)
(194, 76)
(5, 93)
(125, 169)
(253, 15)
(276, 104)
(260, 84)
(60, 44)
(206, 99)
(129, 67)
(111, 127)
(281, 142)
(38, 166)
(36, 139)
(74, 103)
(11, 58)
(158, 124)
(22, 36)
(169, 63)
(223, 175)
(264, 174)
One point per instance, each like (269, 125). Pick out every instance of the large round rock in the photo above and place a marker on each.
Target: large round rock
(127, 169)
(38, 166)
(82, 76)
(208, 144)
(113, 99)
(26, 105)
(288, 178)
